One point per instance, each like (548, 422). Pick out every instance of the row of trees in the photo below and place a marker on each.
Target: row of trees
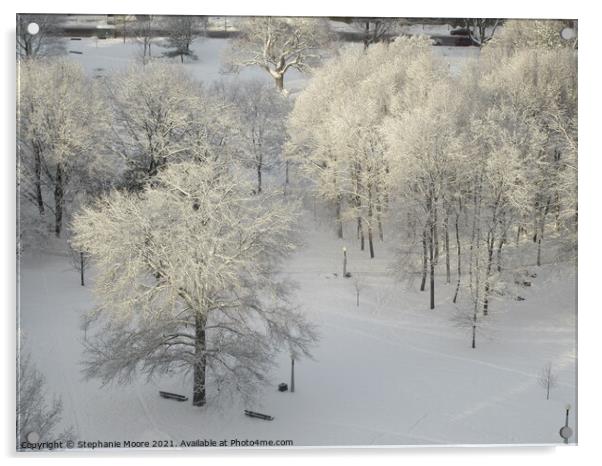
(77, 138)
(474, 162)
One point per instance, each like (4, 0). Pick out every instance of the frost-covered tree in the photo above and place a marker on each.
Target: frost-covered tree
(538, 34)
(35, 413)
(187, 280)
(422, 148)
(60, 116)
(277, 44)
(182, 31)
(261, 130)
(334, 129)
(158, 113)
(539, 87)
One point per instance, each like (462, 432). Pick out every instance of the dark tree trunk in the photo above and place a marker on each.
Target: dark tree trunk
(58, 200)
(542, 226)
(259, 166)
(370, 213)
(292, 375)
(500, 245)
(432, 266)
(339, 219)
(81, 268)
(379, 214)
(37, 152)
(459, 259)
(424, 260)
(360, 232)
(435, 232)
(490, 243)
(358, 206)
(447, 260)
(199, 397)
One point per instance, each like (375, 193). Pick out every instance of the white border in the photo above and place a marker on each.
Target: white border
(590, 198)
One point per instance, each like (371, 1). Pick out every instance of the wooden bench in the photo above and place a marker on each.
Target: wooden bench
(173, 396)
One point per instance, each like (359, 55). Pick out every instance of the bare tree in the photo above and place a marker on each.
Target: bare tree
(46, 41)
(278, 44)
(358, 285)
(547, 379)
(144, 32)
(481, 30)
(157, 113)
(261, 114)
(375, 30)
(187, 280)
(182, 31)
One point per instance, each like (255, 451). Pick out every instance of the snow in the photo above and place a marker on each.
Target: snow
(100, 57)
(390, 372)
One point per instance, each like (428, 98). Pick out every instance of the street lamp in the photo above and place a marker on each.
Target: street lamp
(565, 431)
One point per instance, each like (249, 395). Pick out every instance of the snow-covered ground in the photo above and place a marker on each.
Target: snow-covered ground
(100, 57)
(389, 372)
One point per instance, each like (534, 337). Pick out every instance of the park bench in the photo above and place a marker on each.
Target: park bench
(173, 396)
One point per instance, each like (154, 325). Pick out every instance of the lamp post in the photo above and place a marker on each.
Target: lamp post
(565, 431)
(344, 261)
(292, 374)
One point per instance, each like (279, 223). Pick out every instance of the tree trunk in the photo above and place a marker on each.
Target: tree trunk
(542, 226)
(199, 397)
(490, 244)
(81, 268)
(447, 260)
(259, 166)
(370, 240)
(38, 177)
(424, 260)
(279, 82)
(432, 265)
(292, 375)
(339, 219)
(360, 232)
(58, 200)
(435, 222)
(459, 259)
(500, 245)
(379, 215)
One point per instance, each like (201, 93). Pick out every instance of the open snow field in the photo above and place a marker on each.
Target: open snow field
(100, 57)
(389, 372)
